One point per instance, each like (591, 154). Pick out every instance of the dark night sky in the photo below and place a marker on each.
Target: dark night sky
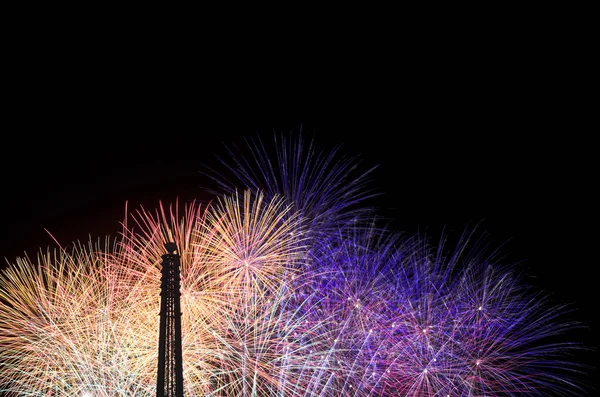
(505, 145)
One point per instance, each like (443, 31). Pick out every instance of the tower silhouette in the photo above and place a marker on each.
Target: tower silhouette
(169, 381)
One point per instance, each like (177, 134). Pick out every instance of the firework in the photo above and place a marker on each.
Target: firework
(288, 289)
(328, 190)
(62, 328)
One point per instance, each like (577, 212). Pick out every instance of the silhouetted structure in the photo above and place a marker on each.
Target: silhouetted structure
(170, 371)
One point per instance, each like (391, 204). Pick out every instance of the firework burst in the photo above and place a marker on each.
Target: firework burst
(288, 289)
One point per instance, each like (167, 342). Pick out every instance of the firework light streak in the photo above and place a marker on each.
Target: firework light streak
(288, 289)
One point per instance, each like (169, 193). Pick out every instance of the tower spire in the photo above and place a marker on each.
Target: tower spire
(170, 370)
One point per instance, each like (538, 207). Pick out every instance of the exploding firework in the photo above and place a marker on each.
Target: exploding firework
(288, 289)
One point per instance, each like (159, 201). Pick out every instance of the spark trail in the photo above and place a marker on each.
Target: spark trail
(288, 289)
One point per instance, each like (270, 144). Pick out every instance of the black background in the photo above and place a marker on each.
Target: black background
(464, 131)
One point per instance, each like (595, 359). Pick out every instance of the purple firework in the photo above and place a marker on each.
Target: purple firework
(405, 316)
